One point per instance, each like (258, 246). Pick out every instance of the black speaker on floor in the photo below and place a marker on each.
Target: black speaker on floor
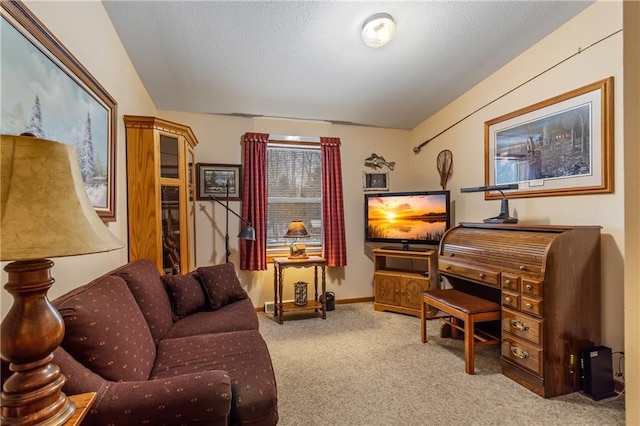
(597, 372)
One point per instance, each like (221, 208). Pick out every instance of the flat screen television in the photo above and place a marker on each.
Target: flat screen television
(407, 218)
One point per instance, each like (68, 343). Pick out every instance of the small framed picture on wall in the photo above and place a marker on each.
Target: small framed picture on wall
(375, 181)
(223, 181)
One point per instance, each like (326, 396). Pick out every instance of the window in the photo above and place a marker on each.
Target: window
(294, 185)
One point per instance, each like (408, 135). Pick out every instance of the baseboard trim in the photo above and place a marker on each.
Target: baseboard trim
(338, 302)
(356, 300)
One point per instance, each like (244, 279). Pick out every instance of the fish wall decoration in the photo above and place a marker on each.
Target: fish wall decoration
(376, 161)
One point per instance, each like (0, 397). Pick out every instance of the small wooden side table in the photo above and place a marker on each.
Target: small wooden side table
(281, 263)
(83, 403)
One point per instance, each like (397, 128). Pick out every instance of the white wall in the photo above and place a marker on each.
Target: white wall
(86, 31)
(84, 28)
(220, 142)
(632, 207)
(466, 141)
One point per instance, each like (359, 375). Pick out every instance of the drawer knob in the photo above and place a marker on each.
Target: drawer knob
(529, 287)
(508, 282)
(522, 268)
(481, 275)
(519, 325)
(508, 299)
(451, 254)
(519, 352)
(448, 268)
(529, 305)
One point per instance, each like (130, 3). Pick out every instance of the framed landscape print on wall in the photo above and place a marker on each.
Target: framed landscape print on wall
(561, 146)
(213, 179)
(375, 181)
(47, 92)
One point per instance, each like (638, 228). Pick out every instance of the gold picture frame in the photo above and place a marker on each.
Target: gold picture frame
(560, 146)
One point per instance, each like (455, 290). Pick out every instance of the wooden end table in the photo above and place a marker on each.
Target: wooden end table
(83, 403)
(281, 263)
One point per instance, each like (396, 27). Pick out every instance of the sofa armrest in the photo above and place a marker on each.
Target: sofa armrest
(195, 397)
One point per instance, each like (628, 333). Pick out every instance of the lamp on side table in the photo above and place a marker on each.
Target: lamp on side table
(297, 230)
(44, 212)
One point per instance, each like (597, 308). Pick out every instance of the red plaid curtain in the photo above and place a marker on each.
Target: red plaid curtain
(253, 254)
(334, 240)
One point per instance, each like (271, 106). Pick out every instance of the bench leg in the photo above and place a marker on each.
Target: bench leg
(469, 350)
(454, 330)
(423, 322)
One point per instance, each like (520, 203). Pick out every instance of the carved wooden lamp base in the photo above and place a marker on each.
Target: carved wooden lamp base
(31, 331)
(45, 213)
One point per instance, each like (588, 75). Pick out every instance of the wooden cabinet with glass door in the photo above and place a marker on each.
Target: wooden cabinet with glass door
(161, 203)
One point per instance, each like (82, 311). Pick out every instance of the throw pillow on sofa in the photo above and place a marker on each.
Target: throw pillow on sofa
(106, 332)
(221, 284)
(143, 279)
(185, 292)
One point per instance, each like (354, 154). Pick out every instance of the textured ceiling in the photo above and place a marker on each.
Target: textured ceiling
(306, 60)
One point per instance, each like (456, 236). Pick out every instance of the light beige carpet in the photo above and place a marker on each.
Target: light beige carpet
(361, 367)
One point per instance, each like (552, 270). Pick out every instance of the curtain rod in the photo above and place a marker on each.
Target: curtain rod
(416, 149)
(289, 138)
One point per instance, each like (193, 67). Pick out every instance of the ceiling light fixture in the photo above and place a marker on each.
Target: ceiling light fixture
(378, 30)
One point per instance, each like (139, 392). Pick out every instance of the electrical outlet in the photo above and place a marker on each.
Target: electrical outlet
(619, 373)
(572, 361)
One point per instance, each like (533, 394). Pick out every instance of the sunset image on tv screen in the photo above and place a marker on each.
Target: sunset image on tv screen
(410, 217)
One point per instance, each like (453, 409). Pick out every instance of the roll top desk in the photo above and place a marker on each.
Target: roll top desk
(547, 279)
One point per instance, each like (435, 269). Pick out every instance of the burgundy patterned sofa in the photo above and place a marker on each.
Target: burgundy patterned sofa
(167, 350)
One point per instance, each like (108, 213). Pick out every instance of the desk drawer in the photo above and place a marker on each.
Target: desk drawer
(522, 353)
(510, 300)
(479, 275)
(510, 282)
(531, 305)
(522, 326)
(532, 287)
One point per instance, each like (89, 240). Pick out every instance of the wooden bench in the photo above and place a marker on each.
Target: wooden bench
(457, 305)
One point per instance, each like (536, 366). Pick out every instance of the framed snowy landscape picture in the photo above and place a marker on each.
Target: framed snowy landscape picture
(560, 146)
(47, 92)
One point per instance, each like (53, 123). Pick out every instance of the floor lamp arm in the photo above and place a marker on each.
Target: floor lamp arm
(229, 209)
(226, 235)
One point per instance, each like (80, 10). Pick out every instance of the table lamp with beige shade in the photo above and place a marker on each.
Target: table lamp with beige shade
(44, 212)
(297, 230)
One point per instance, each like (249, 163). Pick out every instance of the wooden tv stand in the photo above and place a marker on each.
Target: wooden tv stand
(547, 279)
(400, 277)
